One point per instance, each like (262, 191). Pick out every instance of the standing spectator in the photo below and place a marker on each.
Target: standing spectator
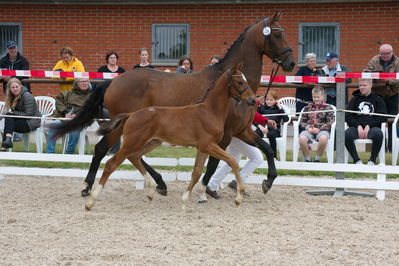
(237, 148)
(20, 103)
(309, 69)
(272, 107)
(316, 125)
(68, 63)
(185, 65)
(364, 125)
(67, 104)
(330, 69)
(13, 60)
(143, 52)
(386, 62)
(111, 58)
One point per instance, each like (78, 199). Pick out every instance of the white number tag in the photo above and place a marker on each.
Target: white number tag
(266, 31)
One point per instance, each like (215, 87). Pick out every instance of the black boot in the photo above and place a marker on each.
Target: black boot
(7, 143)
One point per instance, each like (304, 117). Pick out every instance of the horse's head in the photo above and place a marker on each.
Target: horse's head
(238, 86)
(274, 42)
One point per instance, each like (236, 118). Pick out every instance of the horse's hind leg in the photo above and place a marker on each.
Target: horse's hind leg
(219, 153)
(100, 150)
(150, 184)
(195, 175)
(109, 168)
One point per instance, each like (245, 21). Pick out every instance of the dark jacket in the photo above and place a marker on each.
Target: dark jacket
(27, 107)
(367, 105)
(70, 101)
(376, 65)
(266, 110)
(305, 93)
(21, 63)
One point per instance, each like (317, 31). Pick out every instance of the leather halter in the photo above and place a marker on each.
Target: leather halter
(240, 92)
(275, 57)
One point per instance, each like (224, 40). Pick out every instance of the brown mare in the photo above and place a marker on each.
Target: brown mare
(200, 125)
(136, 89)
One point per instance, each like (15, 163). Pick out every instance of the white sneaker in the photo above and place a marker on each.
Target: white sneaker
(370, 163)
(359, 162)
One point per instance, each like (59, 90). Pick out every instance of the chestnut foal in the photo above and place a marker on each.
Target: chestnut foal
(200, 125)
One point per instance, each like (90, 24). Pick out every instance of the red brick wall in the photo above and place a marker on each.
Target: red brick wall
(93, 30)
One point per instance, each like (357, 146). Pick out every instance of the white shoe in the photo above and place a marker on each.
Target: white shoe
(359, 162)
(370, 163)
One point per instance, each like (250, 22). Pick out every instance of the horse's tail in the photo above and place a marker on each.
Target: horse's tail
(116, 123)
(90, 110)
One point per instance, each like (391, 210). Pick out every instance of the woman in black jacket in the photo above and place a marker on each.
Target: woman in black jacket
(19, 102)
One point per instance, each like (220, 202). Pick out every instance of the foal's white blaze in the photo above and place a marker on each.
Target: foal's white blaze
(93, 196)
(243, 77)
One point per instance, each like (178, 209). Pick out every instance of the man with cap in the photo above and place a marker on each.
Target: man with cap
(330, 69)
(386, 62)
(13, 60)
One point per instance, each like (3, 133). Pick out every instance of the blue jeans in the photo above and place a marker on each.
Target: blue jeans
(72, 140)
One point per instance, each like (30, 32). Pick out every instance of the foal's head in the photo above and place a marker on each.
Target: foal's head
(238, 86)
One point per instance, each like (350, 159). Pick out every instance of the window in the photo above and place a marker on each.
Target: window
(170, 42)
(319, 38)
(10, 32)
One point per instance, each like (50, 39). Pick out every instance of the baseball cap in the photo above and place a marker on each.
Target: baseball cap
(11, 44)
(331, 55)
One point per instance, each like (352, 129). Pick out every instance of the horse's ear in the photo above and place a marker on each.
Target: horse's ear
(276, 16)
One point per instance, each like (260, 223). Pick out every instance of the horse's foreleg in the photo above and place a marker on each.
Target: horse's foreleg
(219, 153)
(109, 168)
(251, 138)
(195, 175)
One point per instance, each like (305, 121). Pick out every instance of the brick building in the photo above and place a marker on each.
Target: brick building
(355, 29)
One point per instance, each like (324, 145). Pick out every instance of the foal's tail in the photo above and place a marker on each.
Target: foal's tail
(116, 123)
(85, 117)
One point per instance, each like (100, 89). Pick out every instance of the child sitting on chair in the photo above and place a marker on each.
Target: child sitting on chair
(271, 106)
(315, 126)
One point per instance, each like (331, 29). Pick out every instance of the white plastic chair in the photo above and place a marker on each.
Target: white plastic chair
(395, 140)
(330, 143)
(1, 119)
(46, 106)
(290, 103)
(83, 142)
(282, 141)
(381, 154)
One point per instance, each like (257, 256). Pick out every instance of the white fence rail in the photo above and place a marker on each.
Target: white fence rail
(380, 185)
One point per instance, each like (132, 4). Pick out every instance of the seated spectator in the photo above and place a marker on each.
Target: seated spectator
(386, 62)
(330, 69)
(13, 60)
(214, 60)
(69, 63)
(237, 149)
(143, 59)
(364, 125)
(185, 65)
(272, 107)
(111, 58)
(19, 102)
(315, 125)
(309, 69)
(67, 104)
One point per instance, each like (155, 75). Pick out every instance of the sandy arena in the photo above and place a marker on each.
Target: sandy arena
(43, 222)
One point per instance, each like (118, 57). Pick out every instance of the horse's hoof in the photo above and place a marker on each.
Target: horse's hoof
(89, 204)
(85, 192)
(202, 201)
(163, 192)
(150, 197)
(237, 202)
(265, 186)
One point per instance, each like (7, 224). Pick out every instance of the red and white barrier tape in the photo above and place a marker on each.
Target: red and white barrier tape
(293, 79)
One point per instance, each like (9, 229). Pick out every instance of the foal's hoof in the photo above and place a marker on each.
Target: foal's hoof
(163, 192)
(265, 186)
(85, 192)
(237, 202)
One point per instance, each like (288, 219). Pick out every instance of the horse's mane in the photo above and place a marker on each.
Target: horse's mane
(213, 83)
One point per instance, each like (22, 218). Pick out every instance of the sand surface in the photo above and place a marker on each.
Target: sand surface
(43, 222)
